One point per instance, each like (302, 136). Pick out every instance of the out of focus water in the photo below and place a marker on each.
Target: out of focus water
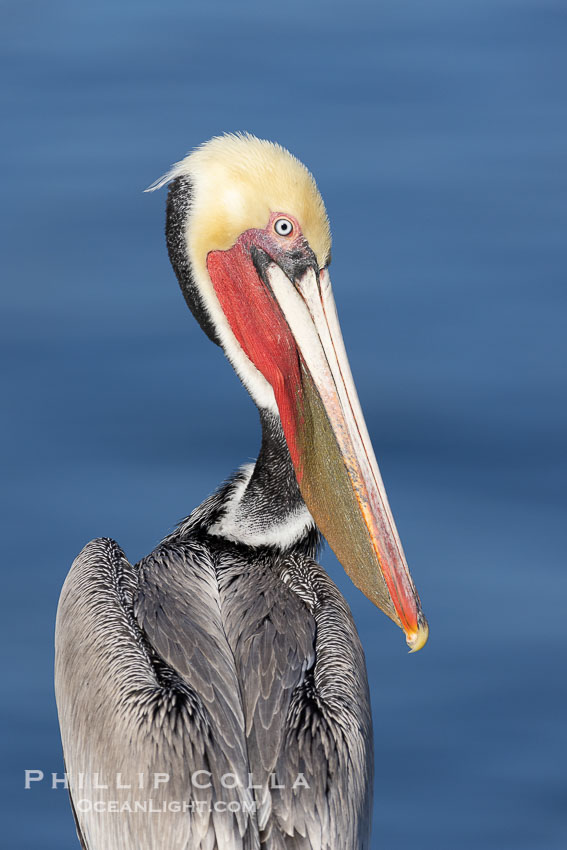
(437, 132)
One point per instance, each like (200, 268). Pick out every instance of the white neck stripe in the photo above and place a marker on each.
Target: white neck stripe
(234, 525)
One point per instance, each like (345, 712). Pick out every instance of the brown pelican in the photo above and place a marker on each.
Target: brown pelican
(215, 694)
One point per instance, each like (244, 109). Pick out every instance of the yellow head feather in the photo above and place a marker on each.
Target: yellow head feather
(238, 181)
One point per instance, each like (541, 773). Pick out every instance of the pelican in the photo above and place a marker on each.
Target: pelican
(215, 694)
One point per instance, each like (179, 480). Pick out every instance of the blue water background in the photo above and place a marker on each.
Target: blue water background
(438, 135)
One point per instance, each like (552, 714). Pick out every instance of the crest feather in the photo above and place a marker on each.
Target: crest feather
(237, 181)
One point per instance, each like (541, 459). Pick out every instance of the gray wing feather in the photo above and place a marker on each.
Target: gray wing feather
(125, 701)
(178, 609)
(306, 703)
(272, 637)
(328, 728)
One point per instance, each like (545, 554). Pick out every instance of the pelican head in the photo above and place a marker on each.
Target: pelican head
(249, 239)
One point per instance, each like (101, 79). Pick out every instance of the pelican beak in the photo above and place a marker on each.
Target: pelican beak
(292, 335)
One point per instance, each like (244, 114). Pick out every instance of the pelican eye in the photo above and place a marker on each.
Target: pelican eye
(283, 226)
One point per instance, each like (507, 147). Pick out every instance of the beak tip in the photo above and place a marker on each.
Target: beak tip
(417, 640)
